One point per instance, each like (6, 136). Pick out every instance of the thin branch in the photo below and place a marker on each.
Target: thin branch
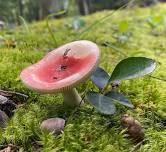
(49, 28)
(16, 93)
(137, 146)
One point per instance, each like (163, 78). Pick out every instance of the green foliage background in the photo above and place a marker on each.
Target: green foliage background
(30, 10)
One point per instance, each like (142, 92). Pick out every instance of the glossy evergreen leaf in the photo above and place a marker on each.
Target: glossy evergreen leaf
(132, 67)
(100, 78)
(120, 98)
(102, 103)
(78, 23)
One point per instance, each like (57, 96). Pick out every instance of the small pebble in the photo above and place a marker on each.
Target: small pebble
(134, 128)
(53, 125)
(3, 119)
(3, 99)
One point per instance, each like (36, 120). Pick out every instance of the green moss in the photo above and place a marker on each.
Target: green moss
(87, 130)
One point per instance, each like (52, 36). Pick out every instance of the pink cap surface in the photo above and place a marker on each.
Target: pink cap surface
(62, 68)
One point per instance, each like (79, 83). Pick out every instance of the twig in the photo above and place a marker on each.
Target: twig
(10, 148)
(16, 93)
(115, 48)
(137, 146)
(49, 28)
(161, 79)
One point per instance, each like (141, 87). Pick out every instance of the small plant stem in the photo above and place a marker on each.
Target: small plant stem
(49, 28)
(116, 49)
(101, 20)
(72, 98)
(102, 91)
(25, 24)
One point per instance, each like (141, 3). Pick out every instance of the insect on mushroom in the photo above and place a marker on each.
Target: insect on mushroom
(66, 52)
(63, 67)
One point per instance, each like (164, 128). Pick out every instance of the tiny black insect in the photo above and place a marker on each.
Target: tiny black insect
(55, 77)
(66, 52)
(63, 67)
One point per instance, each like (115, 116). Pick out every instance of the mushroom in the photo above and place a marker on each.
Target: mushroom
(62, 69)
(53, 125)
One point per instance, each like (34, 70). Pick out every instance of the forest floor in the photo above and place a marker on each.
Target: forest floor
(129, 32)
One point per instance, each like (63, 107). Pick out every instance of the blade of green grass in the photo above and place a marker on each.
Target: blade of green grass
(101, 20)
(25, 24)
(49, 28)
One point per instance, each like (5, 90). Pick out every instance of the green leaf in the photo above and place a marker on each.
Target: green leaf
(120, 98)
(132, 67)
(102, 103)
(123, 26)
(100, 78)
(154, 21)
(151, 23)
(158, 19)
(3, 99)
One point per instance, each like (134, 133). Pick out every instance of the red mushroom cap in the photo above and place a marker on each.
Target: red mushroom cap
(62, 68)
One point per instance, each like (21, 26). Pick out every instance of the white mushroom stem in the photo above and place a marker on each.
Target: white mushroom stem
(72, 98)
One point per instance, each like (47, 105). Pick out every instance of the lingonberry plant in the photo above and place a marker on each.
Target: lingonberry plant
(128, 68)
